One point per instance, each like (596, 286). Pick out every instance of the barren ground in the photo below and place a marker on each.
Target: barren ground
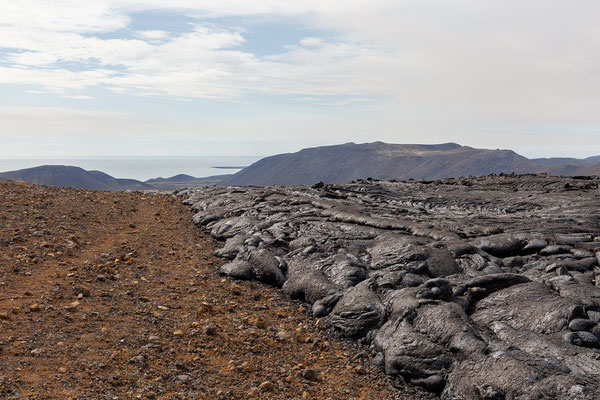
(115, 296)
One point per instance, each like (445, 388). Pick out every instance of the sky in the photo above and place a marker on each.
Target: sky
(254, 78)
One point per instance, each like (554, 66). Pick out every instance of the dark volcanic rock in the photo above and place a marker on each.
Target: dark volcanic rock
(238, 269)
(471, 288)
(358, 311)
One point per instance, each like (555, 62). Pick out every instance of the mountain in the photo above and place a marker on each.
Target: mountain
(569, 166)
(173, 179)
(332, 164)
(593, 170)
(183, 181)
(595, 159)
(67, 176)
(351, 161)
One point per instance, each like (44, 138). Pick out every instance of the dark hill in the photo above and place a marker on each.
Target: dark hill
(67, 176)
(183, 181)
(350, 161)
(173, 179)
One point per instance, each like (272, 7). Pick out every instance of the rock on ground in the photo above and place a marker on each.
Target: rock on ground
(481, 287)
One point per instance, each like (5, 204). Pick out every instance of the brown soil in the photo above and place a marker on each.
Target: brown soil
(115, 296)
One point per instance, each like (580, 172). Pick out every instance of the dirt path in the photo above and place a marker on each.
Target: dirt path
(114, 296)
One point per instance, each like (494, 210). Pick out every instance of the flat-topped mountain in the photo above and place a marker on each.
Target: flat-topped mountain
(183, 181)
(351, 161)
(67, 176)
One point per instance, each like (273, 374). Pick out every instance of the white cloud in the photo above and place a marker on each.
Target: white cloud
(204, 63)
(431, 52)
(429, 66)
(153, 35)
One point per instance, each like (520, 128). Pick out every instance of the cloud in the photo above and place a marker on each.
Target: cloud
(44, 50)
(461, 51)
(153, 35)
(429, 66)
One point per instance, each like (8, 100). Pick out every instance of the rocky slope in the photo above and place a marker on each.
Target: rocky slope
(108, 295)
(479, 288)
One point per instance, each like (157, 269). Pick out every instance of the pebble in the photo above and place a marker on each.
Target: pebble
(311, 374)
(37, 352)
(256, 321)
(360, 370)
(139, 360)
(245, 367)
(83, 290)
(266, 386)
(34, 307)
(183, 378)
(210, 330)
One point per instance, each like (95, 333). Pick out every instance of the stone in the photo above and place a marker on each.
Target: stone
(580, 324)
(437, 288)
(440, 263)
(84, 290)
(238, 269)
(73, 307)
(311, 374)
(584, 339)
(256, 321)
(534, 245)
(266, 386)
(358, 311)
(139, 361)
(555, 249)
(37, 352)
(309, 285)
(210, 330)
(500, 245)
(266, 267)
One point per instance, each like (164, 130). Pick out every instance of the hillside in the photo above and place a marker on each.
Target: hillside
(350, 161)
(68, 176)
(184, 181)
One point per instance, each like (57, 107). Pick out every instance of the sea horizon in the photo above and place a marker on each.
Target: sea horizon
(138, 167)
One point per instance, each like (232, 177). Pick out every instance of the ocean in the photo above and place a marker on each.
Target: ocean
(141, 168)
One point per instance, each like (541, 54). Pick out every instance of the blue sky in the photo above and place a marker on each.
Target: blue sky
(205, 78)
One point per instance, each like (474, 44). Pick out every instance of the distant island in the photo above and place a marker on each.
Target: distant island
(331, 164)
